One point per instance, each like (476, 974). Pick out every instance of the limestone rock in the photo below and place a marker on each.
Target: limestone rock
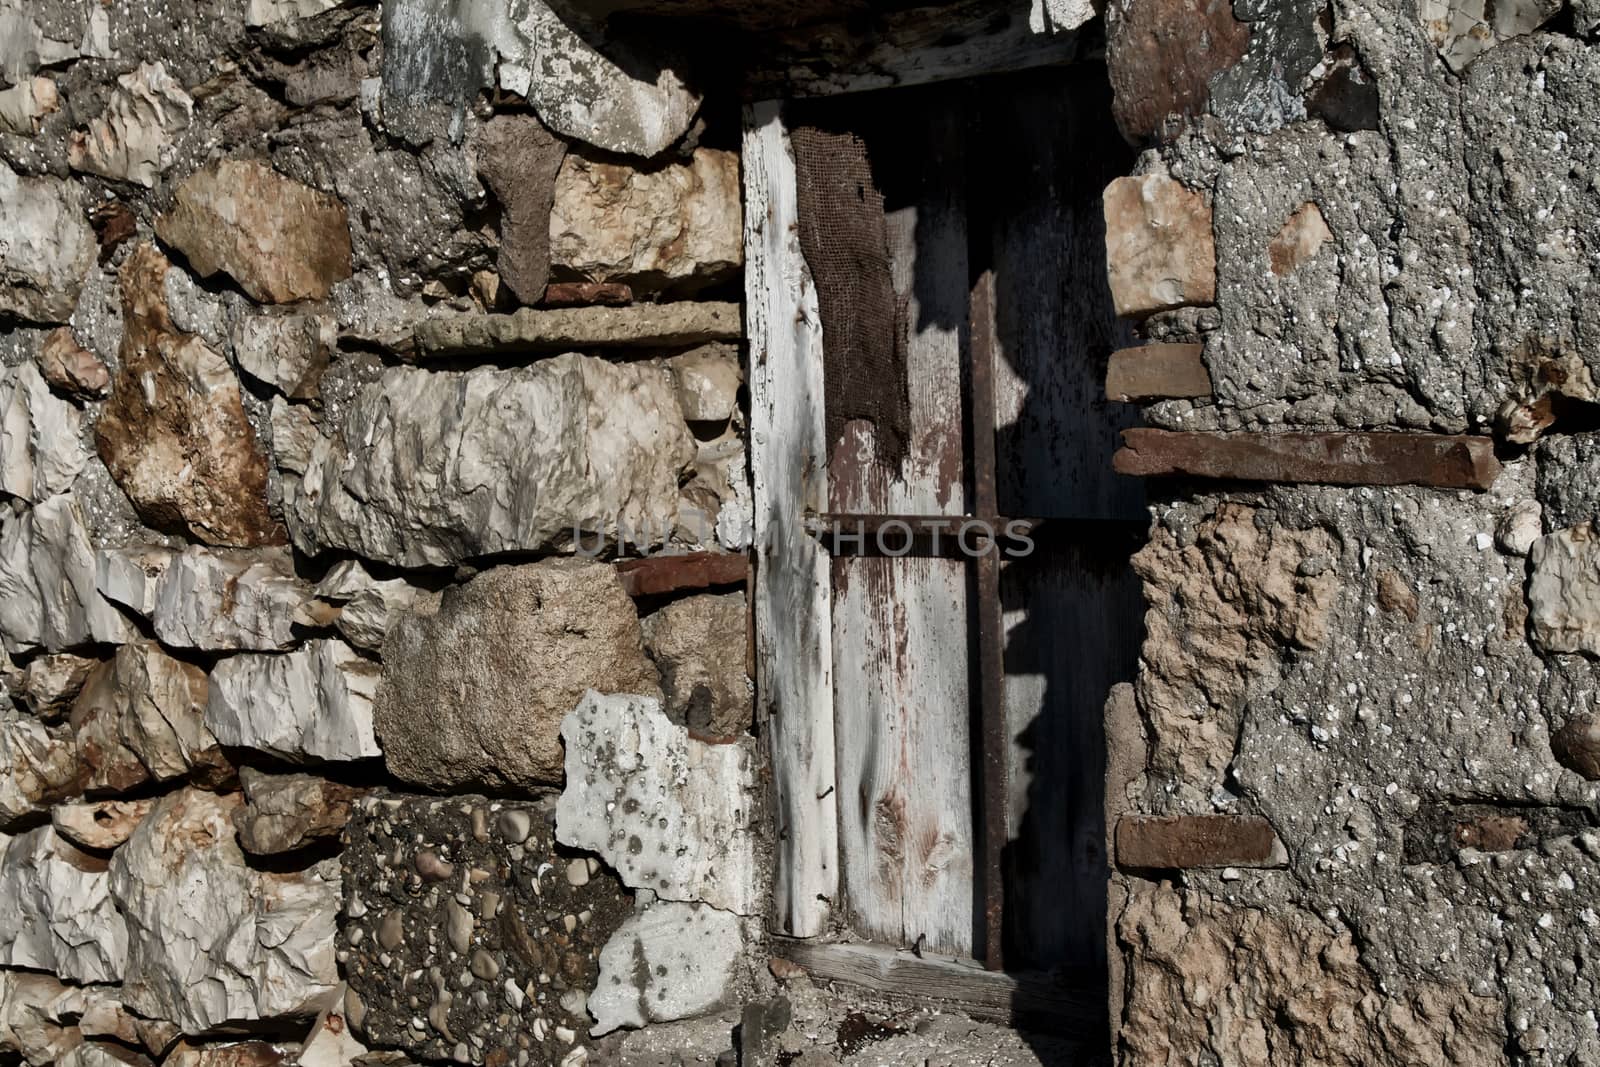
(72, 369)
(1564, 592)
(270, 12)
(314, 703)
(36, 770)
(568, 441)
(59, 915)
(49, 683)
(232, 1054)
(222, 600)
(26, 46)
(530, 330)
(37, 1015)
(675, 227)
(330, 1042)
(41, 451)
(104, 1054)
(294, 436)
(622, 99)
(46, 247)
(708, 380)
(141, 718)
(100, 824)
(279, 240)
(699, 644)
(287, 352)
(133, 140)
(526, 934)
(1059, 16)
(1159, 250)
(23, 105)
(671, 814)
(289, 811)
(131, 576)
(211, 940)
(620, 96)
(363, 608)
(1462, 30)
(47, 594)
(670, 961)
(516, 647)
(174, 433)
(519, 159)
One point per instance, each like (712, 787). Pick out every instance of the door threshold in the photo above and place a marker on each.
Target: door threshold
(1067, 1005)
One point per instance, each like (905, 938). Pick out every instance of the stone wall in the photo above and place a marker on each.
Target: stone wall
(330, 397)
(1353, 787)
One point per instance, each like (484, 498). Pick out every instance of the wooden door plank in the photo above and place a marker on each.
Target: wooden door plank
(1072, 618)
(794, 645)
(900, 625)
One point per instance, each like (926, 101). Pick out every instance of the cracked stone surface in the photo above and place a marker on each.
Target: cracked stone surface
(141, 719)
(46, 247)
(314, 703)
(133, 139)
(671, 814)
(567, 442)
(48, 598)
(61, 916)
(41, 450)
(212, 940)
(224, 601)
(469, 934)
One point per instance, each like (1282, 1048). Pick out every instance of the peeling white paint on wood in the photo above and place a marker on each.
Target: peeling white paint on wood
(794, 650)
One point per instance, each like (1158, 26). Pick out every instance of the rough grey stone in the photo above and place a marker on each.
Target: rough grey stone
(46, 247)
(285, 812)
(417, 949)
(221, 600)
(516, 647)
(37, 768)
(565, 443)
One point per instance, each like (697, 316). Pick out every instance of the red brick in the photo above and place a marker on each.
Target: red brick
(1159, 842)
(1444, 461)
(1157, 372)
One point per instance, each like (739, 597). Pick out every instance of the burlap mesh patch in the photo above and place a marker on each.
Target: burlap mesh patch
(845, 240)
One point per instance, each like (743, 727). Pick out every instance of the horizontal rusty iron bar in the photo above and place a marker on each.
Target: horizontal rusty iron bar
(654, 575)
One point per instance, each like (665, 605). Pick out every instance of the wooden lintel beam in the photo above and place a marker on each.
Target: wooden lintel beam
(1439, 460)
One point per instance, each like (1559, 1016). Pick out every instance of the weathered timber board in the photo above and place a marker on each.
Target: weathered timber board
(1063, 1004)
(791, 602)
(1072, 610)
(901, 692)
(1440, 460)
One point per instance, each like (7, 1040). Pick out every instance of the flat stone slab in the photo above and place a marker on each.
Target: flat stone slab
(1157, 372)
(1186, 841)
(1439, 460)
(529, 331)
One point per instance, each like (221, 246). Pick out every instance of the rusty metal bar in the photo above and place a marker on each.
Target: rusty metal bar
(994, 745)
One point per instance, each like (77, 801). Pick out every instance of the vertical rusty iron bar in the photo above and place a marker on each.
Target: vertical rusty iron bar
(994, 745)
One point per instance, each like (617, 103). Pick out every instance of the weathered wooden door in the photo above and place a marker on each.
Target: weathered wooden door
(990, 238)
